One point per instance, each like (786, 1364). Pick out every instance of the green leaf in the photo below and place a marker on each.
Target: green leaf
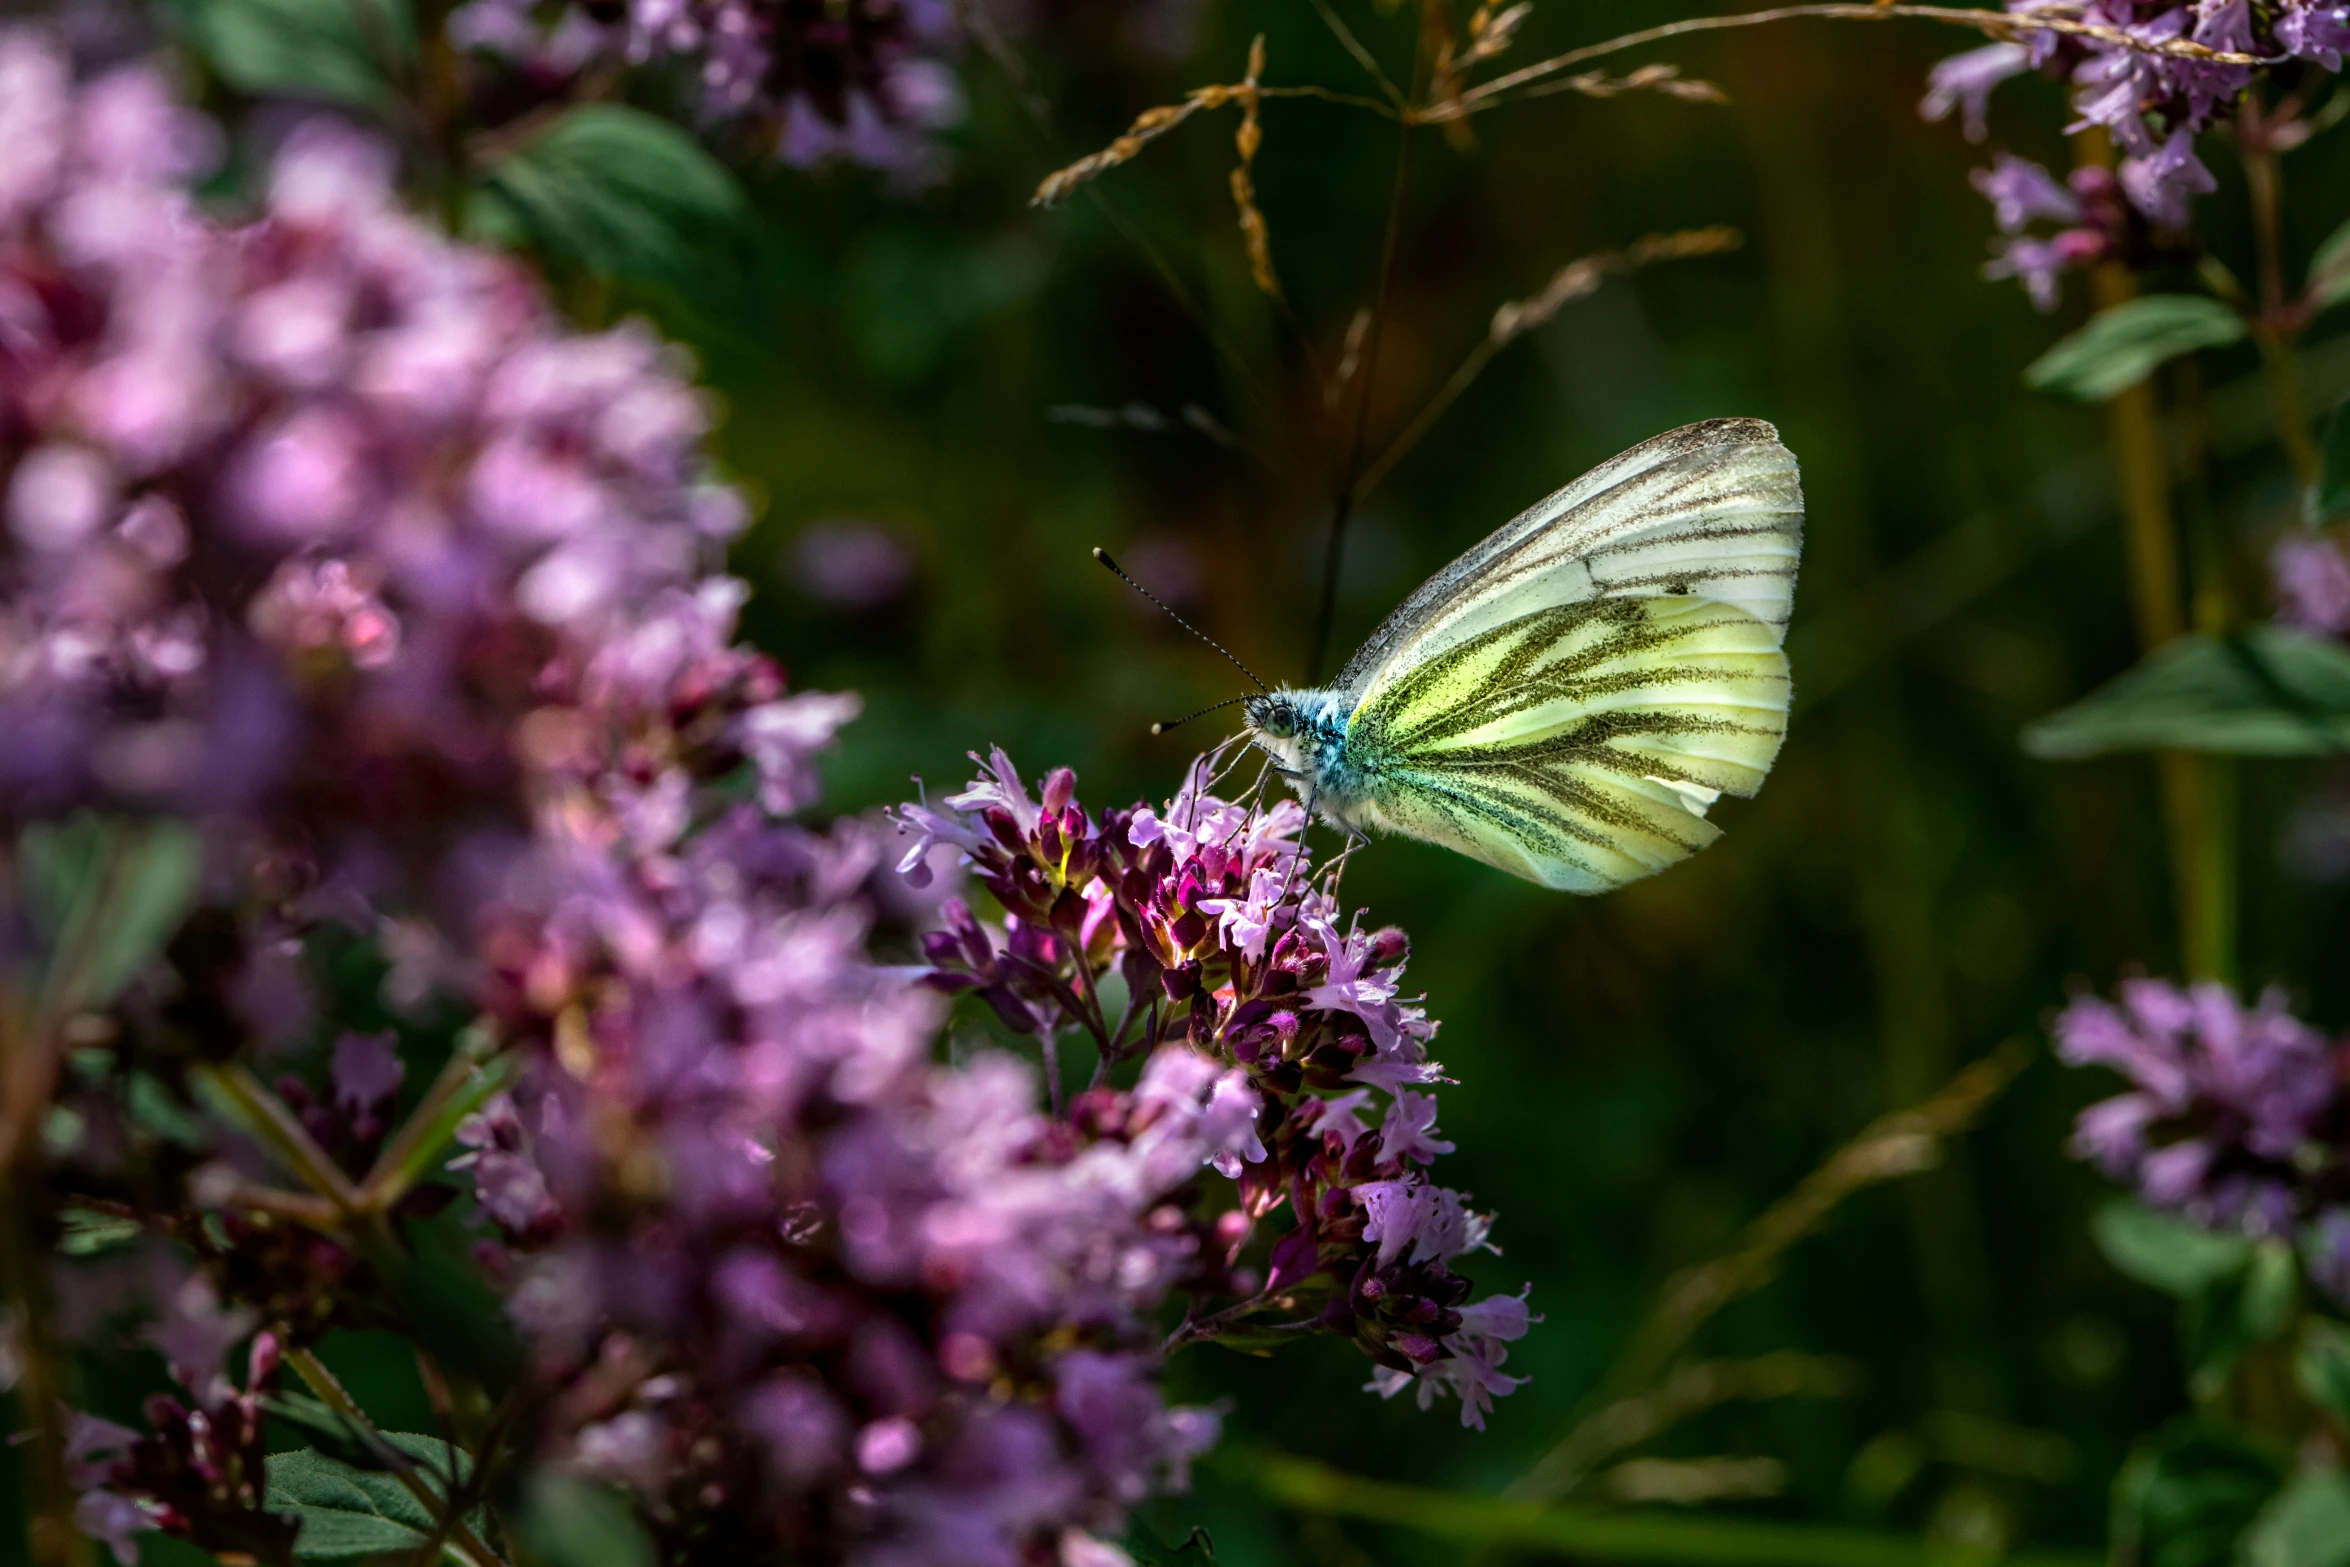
(2307, 1525)
(88, 1232)
(106, 896)
(1148, 1550)
(2329, 269)
(2238, 1311)
(2267, 692)
(2323, 1366)
(569, 1522)
(345, 1510)
(2330, 497)
(2170, 1254)
(2122, 346)
(621, 194)
(417, 1148)
(2186, 1496)
(342, 51)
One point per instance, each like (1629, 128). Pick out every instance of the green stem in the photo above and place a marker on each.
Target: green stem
(40, 1391)
(2200, 843)
(260, 1114)
(2275, 328)
(1610, 1537)
(2282, 366)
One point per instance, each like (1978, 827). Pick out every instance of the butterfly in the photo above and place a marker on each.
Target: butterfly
(1566, 700)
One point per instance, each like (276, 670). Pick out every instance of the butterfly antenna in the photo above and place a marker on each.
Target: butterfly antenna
(1103, 556)
(1165, 724)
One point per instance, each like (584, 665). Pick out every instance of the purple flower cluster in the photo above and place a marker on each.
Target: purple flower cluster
(2236, 1116)
(2154, 105)
(300, 515)
(2310, 576)
(1207, 919)
(864, 81)
(197, 1472)
(808, 82)
(324, 525)
(788, 1278)
(2095, 222)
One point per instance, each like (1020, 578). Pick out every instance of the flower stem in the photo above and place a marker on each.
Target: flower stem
(2195, 819)
(40, 1391)
(2275, 328)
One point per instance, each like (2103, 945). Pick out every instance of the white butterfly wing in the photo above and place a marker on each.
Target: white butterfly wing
(1567, 699)
(1712, 510)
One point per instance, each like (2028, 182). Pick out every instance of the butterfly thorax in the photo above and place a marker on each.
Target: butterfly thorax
(1305, 733)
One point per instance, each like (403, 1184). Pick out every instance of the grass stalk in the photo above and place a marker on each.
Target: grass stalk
(1590, 1535)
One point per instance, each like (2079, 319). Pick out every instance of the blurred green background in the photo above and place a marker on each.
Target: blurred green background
(922, 388)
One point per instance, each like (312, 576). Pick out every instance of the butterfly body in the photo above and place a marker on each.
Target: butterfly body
(1567, 699)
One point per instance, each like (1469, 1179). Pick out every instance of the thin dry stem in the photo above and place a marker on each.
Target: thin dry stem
(1893, 1146)
(1362, 56)
(1537, 80)
(1574, 281)
(1350, 358)
(1148, 127)
(1691, 1390)
(1490, 32)
(1684, 1482)
(1254, 234)
(1661, 78)
(1994, 24)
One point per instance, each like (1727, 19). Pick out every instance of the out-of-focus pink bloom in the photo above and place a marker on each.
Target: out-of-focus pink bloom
(2311, 576)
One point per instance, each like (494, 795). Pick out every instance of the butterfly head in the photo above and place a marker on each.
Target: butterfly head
(1302, 731)
(1272, 715)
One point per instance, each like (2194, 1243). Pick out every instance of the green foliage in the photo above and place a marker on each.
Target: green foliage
(2187, 1495)
(2123, 346)
(348, 1511)
(105, 897)
(907, 294)
(2307, 1525)
(2330, 496)
(1148, 1550)
(2323, 1366)
(2329, 269)
(2265, 692)
(2237, 1292)
(2169, 1254)
(568, 1522)
(341, 51)
(619, 194)
(1589, 1535)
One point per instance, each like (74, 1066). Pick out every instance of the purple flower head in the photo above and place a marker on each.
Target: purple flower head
(1297, 1027)
(2224, 1104)
(2311, 578)
(1964, 82)
(2020, 190)
(2325, 1250)
(2163, 180)
(865, 81)
(366, 1071)
(2040, 264)
(851, 563)
(2318, 33)
(197, 1473)
(305, 519)
(2153, 102)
